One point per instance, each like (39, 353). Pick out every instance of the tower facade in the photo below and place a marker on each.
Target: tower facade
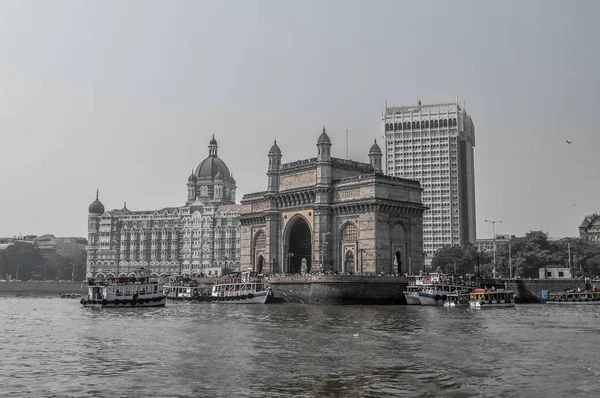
(434, 145)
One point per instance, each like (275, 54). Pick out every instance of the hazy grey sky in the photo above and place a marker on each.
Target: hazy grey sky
(124, 96)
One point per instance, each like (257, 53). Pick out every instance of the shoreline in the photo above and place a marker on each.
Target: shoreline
(43, 287)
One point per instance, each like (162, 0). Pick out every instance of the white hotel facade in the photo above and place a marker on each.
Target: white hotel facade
(434, 145)
(201, 237)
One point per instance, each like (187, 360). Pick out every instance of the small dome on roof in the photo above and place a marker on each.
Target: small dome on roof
(213, 141)
(323, 138)
(275, 149)
(375, 149)
(192, 177)
(96, 207)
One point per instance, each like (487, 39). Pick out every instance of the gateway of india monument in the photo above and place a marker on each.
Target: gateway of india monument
(327, 215)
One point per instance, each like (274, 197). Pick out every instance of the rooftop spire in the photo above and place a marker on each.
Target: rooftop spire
(97, 193)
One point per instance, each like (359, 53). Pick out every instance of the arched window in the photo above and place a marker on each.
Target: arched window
(454, 122)
(349, 233)
(404, 126)
(426, 124)
(435, 122)
(395, 126)
(418, 125)
(399, 126)
(445, 122)
(387, 127)
(413, 125)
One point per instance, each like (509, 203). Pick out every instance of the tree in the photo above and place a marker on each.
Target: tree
(21, 257)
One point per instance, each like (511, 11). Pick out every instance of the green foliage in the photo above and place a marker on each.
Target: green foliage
(527, 255)
(23, 256)
(31, 265)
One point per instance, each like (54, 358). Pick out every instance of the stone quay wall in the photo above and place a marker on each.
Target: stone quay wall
(530, 290)
(339, 289)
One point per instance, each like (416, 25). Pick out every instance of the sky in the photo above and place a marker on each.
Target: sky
(124, 97)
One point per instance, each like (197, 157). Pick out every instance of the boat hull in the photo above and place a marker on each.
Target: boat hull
(597, 302)
(412, 299)
(487, 304)
(430, 299)
(156, 302)
(256, 298)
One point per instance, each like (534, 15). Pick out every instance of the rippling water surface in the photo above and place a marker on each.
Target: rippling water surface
(53, 347)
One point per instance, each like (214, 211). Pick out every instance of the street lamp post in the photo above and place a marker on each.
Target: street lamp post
(494, 240)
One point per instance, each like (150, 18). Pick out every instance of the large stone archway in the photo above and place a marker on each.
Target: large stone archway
(299, 244)
(400, 247)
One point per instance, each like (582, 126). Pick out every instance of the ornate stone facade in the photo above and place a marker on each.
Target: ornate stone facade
(201, 237)
(330, 214)
(590, 228)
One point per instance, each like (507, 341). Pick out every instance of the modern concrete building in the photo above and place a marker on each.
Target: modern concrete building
(200, 237)
(484, 245)
(555, 272)
(590, 228)
(434, 145)
(327, 214)
(49, 245)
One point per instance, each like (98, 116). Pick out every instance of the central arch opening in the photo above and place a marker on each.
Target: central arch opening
(259, 267)
(300, 246)
(398, 261)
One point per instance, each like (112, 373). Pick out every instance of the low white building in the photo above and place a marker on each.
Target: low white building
(555, 273)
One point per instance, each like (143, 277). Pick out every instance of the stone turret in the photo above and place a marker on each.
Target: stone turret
(324, 159)
(375, 156)
(273, 170)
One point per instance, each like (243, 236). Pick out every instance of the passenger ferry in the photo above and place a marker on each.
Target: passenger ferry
(249, 290)
(423, 282)
(437, 294)
(187, 289)
(488, 298)
(584, 298)
(124, 292)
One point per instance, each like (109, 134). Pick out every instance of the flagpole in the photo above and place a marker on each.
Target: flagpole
(346, 144)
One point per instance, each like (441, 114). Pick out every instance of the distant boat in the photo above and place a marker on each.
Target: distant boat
(70, 295)
(437, 294)
(490, 298)
(577, 298)
(124, 292)
(249, 290)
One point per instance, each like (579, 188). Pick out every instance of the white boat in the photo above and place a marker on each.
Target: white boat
(424, 282)
(187, 289)
(491, 298)
(412, 294)
(437, 294)
(124, 292)
(574, 298)
(249, 290)
(457, 300)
